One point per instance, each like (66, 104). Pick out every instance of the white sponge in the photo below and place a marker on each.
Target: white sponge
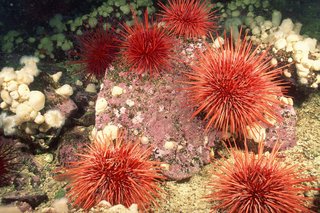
(37, 100)
(66, 90)
(23, 112)
(54, 118)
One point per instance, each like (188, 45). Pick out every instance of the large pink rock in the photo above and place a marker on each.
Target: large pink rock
(285, 132)
(160, 113)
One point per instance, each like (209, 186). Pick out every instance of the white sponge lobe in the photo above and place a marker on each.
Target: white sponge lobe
(23, 91)
(6, 96)
(8, 124)
(30, 63)
(23, 112)
(8, 74)
(37, 100)
(66, 90)
(24, 77)
(54, 118)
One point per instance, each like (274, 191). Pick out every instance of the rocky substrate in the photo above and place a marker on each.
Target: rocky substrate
(156, 112)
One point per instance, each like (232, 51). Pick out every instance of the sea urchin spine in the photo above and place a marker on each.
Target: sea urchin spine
(188, 18)
(235, 87)
(258, 183)
(146, 48)
(98, 49)
(119, 172)
(7, 164)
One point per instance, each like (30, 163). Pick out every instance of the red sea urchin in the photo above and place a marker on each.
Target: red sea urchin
(98, 49)
(7, 155)
(146, 47)
(258, 184)
(119, 172)
(188, 18)
(235, 87)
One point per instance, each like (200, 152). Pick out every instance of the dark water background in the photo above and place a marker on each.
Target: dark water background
(28, 16)
(25, 14)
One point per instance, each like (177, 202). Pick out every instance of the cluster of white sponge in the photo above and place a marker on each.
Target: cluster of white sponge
(21, 107)
(281, 34)
(285, 35)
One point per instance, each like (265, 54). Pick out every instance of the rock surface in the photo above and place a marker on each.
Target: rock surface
(33, 199)
(72, 142)
(157, 111)
(285, 132)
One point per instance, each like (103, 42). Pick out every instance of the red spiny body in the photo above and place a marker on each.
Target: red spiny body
(98, 49)
(146, 48)
(258, 183)
(188, 18)
(235, 87)
(7, 166)
(120, 173)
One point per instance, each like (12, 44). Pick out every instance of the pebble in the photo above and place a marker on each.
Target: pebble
(48, 158)
(169, 145)
(144, 140)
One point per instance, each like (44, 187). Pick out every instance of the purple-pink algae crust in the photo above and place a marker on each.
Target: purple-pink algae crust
(285, 132)
(160, 113)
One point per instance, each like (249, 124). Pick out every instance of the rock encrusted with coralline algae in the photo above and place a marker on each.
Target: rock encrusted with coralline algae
(285, 132)
(156, 111)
